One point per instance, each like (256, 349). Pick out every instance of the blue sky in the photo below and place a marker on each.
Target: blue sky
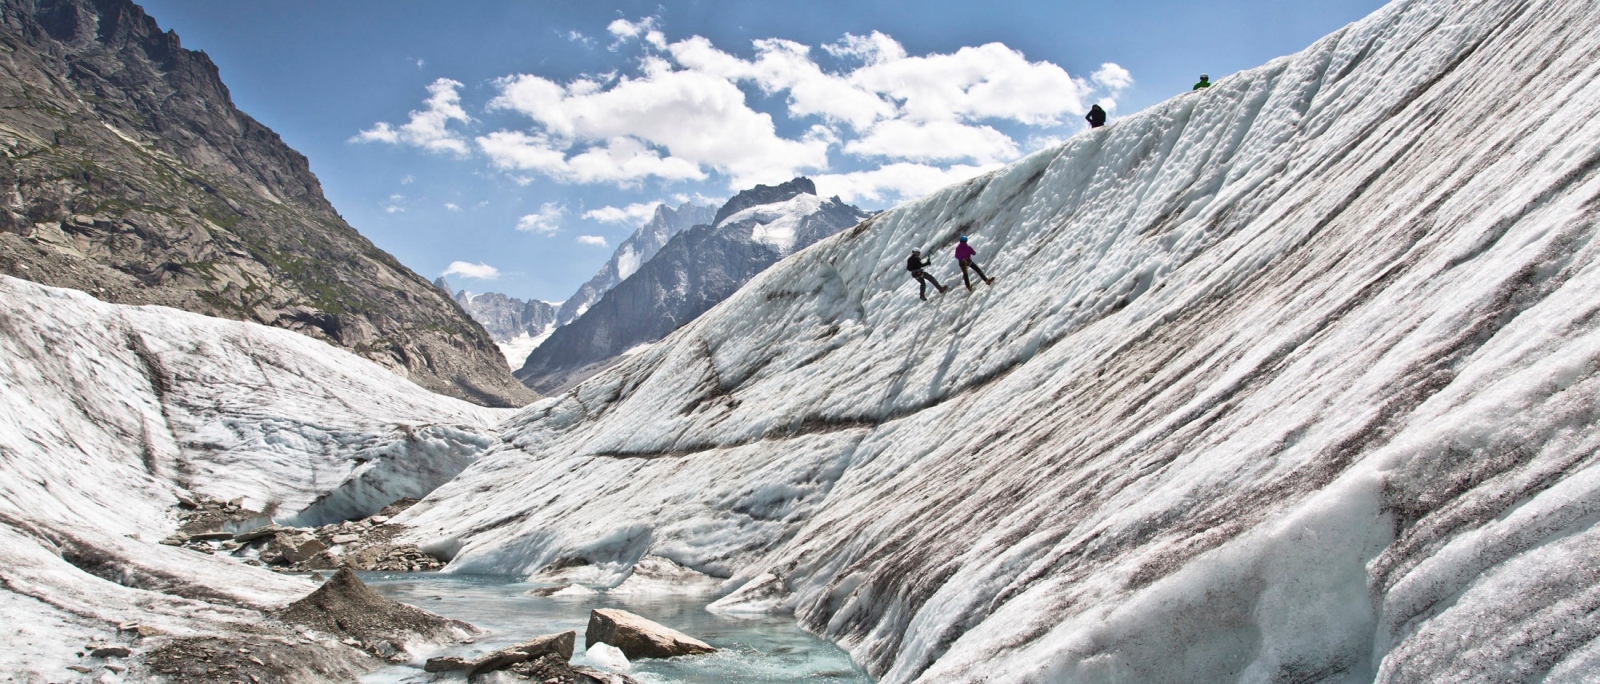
(516, 143)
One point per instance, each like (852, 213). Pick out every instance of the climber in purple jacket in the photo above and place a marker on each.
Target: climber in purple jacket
(964, 254)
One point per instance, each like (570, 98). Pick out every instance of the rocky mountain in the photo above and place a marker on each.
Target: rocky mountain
(632, 253)
(695, 270)
(517, 326)
(126, 172)
(507, 318)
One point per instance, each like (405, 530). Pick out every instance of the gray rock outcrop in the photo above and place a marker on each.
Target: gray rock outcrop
(694, 271)
(127, 172)
(505, 317)
(542, 659)
(639, 248)
(637, 637)
(558, 644)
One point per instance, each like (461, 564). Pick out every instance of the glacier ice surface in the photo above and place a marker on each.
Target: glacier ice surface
(1289, 379)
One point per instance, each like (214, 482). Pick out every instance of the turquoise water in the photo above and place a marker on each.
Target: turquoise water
(757, 649)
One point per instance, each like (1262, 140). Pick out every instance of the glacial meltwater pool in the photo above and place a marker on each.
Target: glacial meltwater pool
(754, 649)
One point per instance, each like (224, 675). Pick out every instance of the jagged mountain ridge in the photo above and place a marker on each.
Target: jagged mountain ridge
(695, 270)
(126, 172)
(517, 326)
(1292, 379)
(507, 317)
(640, 247)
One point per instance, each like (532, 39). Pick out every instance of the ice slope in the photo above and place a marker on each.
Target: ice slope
(1294, 379)
(142, 400)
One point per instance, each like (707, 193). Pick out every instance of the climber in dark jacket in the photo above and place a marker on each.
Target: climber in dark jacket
(964, 254)
(1096, 117)
(914, 265)
(1205, 82)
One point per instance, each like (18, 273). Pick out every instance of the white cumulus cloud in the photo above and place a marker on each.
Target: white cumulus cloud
(547, 221)
(903, 179)
(1112, 77)
(636, 214)
(624, 31)
(875, 48)
(990, 81)
(786, 66)
(934, 141)
(470, 270)
(428, 128)
(699, 120)
(594, 240)
(680, 114)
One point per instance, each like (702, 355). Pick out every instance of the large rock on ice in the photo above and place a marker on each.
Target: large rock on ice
(295, 548)
(640, 638)
(549, 644)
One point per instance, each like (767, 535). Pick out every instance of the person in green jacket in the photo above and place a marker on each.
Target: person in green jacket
(1205, 82)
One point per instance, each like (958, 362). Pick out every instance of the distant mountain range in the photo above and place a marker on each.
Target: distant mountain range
(693, 271)
(517, 326)
(126, 172)
(633, 253)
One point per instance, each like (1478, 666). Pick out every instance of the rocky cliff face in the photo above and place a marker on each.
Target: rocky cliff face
(692, 273)
(506, 317)
(633, 253)
(126, 172)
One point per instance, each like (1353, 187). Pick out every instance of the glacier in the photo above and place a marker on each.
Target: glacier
(113, 412)
(1292, 379)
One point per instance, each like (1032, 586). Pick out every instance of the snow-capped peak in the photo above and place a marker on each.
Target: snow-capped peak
(777, 224)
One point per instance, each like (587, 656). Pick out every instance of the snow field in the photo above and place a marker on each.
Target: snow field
(1292, 378)
(777, 224)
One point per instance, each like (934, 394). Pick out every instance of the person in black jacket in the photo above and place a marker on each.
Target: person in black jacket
(1096, 117)
(914, 265)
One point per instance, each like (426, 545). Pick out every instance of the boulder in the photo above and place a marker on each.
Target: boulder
(499, 660)
(551, 668)
(297, 548)
(638, 638)
(260, 532)
(216, 535)
(560, 644)
(556, 644)
(446, 664)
